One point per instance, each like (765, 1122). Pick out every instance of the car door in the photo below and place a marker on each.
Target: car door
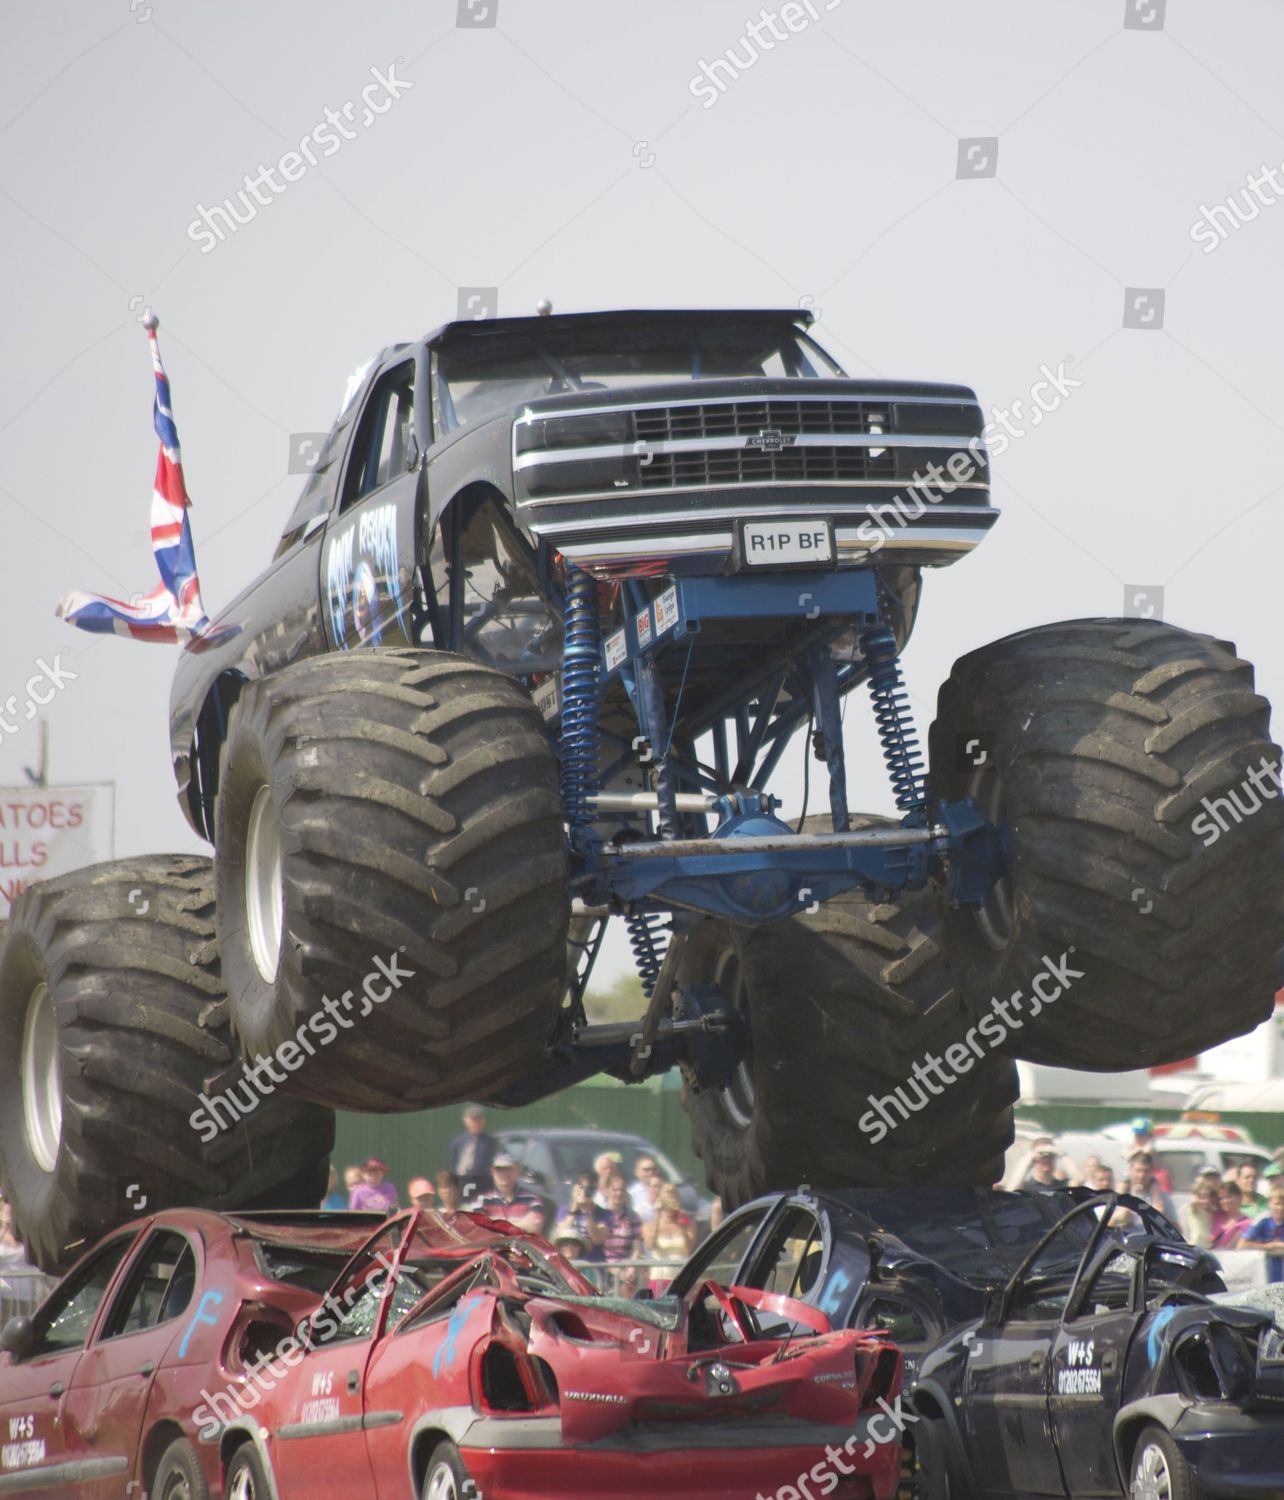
(107, 1399)
(37, 1439)
(321, 1447)
(1087, 1370)
(368, 563)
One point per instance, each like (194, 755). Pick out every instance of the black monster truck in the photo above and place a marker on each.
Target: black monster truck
(557, 596)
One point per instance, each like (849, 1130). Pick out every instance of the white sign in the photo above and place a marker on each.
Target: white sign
(1242, 1269)
(49, 830)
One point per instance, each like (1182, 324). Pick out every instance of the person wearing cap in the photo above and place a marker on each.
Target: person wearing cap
(1043, 1176)
(473, 1152)
(507, 1201)
(374, 1193)
(420, 1193)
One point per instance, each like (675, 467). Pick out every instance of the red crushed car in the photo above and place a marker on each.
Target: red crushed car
(453, 1359)
(98, 1387)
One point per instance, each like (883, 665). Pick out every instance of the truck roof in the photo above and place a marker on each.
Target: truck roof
(782, 317)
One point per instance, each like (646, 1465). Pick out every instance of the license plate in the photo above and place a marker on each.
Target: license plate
(786, 544)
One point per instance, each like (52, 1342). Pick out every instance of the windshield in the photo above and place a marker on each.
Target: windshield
(479, 375)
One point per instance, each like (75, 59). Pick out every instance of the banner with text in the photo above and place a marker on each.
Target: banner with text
(48, 830)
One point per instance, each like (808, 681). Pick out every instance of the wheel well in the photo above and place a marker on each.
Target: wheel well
(1126, 1436)
(423, 1446)
(158, 1439)
(229, 1445)
(207, 747)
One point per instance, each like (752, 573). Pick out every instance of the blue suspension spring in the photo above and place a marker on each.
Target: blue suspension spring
(581, 655)
(901, 749)
(649, 944)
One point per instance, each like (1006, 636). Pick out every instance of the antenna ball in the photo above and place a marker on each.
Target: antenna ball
(151, 322)
(543, 307)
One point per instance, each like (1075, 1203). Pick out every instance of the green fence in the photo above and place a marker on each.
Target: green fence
(418, 1144)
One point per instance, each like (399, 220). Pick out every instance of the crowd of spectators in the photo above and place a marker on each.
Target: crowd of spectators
(1225, 1211)
(638, 1227)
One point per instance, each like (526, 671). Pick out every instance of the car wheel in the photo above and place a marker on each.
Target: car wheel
(447, 1477)
(1108, 741)
(179, 1475)
(113, 1022)
(1159, 1472)
(392, 810)
(840, 1005)
(246, 1478)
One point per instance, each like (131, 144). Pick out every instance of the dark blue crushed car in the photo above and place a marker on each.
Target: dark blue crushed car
(1048, 1352)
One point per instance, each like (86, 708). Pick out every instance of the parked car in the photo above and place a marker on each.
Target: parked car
(551, 1159)
(1109, 1366)
(98, 1386)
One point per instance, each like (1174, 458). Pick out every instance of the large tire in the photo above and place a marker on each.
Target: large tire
(1158, 1468)
(408, 802)
(112, 1023)
(841, 1004)
(1099, 741)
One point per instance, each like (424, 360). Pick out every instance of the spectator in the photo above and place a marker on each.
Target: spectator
(353, 1178)
(716, 1214)
(450, 1194)
(335, 1197)
(607, 1166)
(670, 1236)
(1101, 1179)
(13, 1257)
(623, 1227)
(473, 1153)
(643, 1190)
(374, 1193)
(584, 1218)
(566, 1242)
(1230, 1221)
(1267, 1234)
(1143, 1139)
(1198, 1215)
(420, 1193)
(1143, 1184)
(1246, 1176)
(1043, 1176)
(507, 1201)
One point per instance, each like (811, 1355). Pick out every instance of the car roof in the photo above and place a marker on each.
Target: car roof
(781, 317)
(978, 1236)
(570, 1133)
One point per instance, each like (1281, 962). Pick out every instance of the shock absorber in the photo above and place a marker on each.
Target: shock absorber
(581, 657)
(649, 942)
(901, 749)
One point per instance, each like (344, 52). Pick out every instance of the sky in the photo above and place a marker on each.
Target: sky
(992, 193)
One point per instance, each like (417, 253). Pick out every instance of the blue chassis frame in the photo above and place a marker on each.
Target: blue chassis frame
(751, 867)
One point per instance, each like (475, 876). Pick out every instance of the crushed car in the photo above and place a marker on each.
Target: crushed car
(427, 1355)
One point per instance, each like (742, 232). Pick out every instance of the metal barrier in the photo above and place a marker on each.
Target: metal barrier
(21, 1292)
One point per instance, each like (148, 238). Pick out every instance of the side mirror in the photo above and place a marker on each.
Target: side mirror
(644, 1294)
(994, 1309)
(18, 1338)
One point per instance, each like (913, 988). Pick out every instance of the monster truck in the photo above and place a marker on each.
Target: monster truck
(557, 595)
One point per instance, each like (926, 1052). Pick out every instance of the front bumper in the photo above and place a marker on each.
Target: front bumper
(1234, 1453)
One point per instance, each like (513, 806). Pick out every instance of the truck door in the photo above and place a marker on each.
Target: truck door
(371, 547)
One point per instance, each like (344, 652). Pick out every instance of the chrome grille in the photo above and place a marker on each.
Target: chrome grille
(658, 424)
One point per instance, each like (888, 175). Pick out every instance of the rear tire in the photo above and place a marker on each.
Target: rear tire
(1106, 736)
(447, 1476)
(841, 1004)
(112, 1024)
(179, 1475)
(392, 805)
(1159, 1472)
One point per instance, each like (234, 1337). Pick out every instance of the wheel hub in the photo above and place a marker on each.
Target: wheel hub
(42, 1080)
(1151, 1479)
(264, 885)
(441, 1485)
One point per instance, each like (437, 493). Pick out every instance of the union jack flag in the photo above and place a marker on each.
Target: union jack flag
(173, 610)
